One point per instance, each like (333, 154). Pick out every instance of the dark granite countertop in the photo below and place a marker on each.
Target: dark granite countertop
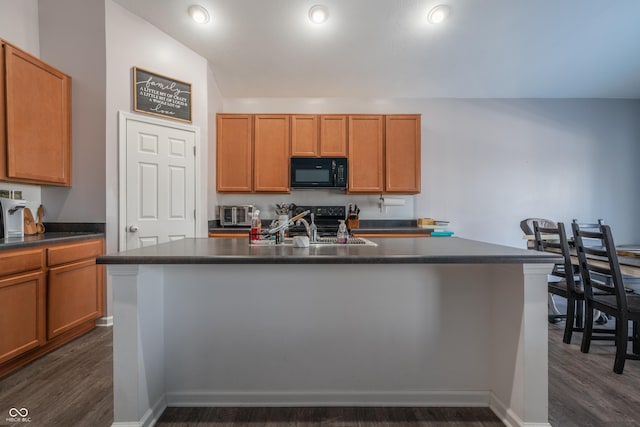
(445, 250)
(47, 238)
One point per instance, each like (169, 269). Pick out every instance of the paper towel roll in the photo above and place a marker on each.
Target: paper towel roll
(392, 201)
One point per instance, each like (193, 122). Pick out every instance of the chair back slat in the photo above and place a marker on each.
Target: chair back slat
(590, 228)
(597, 252)
(605, 278)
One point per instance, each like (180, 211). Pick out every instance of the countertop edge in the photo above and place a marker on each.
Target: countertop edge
(329, 259)
(48, 239)
(408, 250)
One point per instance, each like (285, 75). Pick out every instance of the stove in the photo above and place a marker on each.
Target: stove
(326, 219)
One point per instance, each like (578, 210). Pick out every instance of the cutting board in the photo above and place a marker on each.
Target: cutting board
(29, 223)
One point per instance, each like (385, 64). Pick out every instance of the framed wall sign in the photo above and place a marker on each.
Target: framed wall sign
(161, 96)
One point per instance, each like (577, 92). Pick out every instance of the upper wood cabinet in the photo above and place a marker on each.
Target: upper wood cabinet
(254, 150)
(366, 154)
(333, 136)
(35, 120)
(402, 154)
(318, 136)
(271, 153)
(304, 135)
(234, 153)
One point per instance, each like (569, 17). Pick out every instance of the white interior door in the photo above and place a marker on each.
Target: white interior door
(159, 182)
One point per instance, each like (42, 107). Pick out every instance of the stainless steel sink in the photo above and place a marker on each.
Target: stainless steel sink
(322, 241)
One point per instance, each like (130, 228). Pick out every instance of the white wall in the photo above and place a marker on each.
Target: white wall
(131, 42)
(487, 164)
(72, 38)
(19, 26)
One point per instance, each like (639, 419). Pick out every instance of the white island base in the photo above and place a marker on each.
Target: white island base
(330, 335)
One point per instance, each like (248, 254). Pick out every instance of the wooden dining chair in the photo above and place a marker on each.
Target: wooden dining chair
(608, 295)
(563, 280)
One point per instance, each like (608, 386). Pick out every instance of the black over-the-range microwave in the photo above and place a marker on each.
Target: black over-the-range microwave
(324, 172)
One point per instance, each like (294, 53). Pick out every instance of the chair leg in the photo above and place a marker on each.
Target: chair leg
(588, 328)
(579, 314)
(568, 325)
(622, 337)
(635, 338)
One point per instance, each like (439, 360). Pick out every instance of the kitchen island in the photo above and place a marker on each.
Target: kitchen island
(409, 322)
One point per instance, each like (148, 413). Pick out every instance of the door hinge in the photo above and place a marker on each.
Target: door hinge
(194, 214)
(194, 150)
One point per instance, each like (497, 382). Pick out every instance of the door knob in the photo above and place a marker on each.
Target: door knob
(133, 228)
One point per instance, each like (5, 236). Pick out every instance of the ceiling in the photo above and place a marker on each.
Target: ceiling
(386, 48)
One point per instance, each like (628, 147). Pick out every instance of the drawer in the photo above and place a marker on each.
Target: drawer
(230, 234)
(64, 254)
(21, 261)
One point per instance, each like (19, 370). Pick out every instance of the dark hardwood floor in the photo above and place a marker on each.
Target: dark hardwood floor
(71, 387)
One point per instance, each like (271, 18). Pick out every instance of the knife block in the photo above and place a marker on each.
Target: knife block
(353, 222)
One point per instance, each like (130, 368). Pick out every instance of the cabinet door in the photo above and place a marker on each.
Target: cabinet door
(72, 296)
(271, 153)
(304, 135)
(333, 136)
(366, 161)
(234, 153)
(38, 121)
(402, 154)
(22, 314)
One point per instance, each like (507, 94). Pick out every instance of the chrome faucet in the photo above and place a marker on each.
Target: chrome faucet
(306, 226)
(280, 229)
(313, 234)
(312, 230)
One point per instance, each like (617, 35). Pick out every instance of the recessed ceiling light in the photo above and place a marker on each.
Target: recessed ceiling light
(438, 14)
(318, 14)
(199, 14)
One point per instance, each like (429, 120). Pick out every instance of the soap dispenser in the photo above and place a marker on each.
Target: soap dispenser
(343, 234)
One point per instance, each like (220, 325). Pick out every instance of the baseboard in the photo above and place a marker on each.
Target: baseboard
(150, 417)
(508, 417)
(104, 321)
(219, 399)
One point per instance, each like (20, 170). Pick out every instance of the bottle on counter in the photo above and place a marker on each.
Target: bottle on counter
(255, 225)
(343, 234)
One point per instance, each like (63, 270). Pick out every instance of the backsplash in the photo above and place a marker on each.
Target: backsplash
(368, 204)
(30, 193)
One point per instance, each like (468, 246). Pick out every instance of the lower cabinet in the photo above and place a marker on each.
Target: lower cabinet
(73, 296)
(48, 296)
(22, 314)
